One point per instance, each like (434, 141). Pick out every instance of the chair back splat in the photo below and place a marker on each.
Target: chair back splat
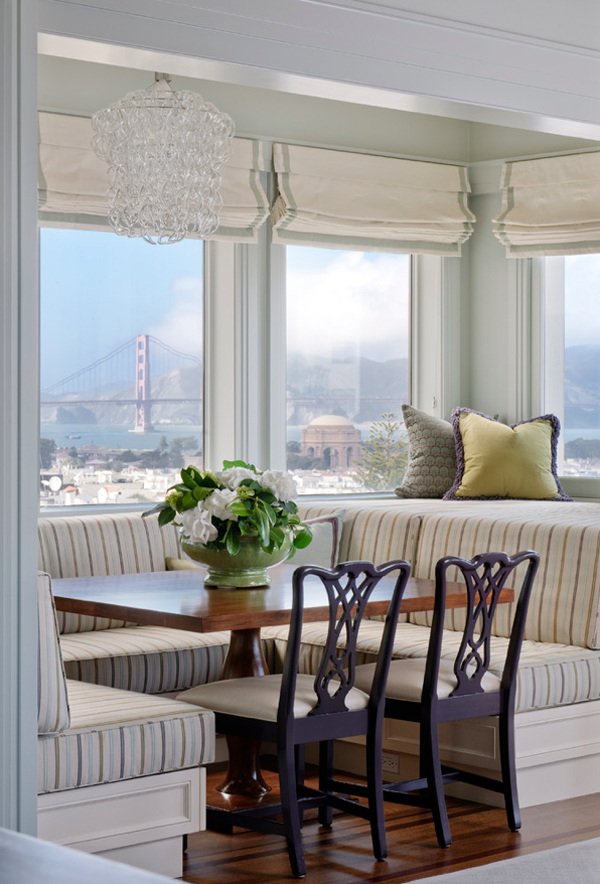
(348, 589)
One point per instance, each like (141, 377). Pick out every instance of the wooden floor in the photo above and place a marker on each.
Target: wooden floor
(343, 854)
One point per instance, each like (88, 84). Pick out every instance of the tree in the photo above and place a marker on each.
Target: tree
(184, 443)
(47, 449)
(128, 456)
(175, 456)
(384, 455)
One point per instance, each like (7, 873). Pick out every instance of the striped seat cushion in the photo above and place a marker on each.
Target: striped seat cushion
(549, 674)
(148, 659)
(116, 735)
(100, 546)
(564, 606)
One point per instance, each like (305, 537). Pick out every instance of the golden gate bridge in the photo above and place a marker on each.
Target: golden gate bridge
(131, 362)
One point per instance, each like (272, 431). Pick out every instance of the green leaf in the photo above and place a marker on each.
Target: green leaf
(167, 515)
(277, 535)
(303, 538)
(232, 543)
(228, 464)
(187, 479)
(267, 511)
(247, 527)
(156, 509)
(262, 523)
(239, 508)
(200, 493)
(188, 502)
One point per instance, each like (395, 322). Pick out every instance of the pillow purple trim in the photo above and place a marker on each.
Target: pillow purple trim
(460, 455)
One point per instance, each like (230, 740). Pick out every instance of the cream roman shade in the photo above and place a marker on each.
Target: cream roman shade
(357, 201)
(550, 206)
(73, 181)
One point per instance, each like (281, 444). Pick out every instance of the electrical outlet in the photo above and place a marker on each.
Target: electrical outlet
(389, 762)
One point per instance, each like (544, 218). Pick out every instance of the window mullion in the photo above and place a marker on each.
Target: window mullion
(220, 355)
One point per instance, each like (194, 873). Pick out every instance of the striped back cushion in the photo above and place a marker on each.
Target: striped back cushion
(53, 706)
(100, 546)
(375, 531)
(565, 600)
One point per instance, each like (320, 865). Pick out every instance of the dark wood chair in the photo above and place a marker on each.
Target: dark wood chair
(293, 709)
(435, 690)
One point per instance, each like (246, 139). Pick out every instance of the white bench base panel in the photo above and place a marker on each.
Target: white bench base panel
(139, 821)
(558, 753)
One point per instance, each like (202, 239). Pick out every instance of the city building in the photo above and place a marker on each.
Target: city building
(334, 439)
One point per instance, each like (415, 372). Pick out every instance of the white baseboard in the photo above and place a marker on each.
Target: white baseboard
(139, 821)
(558, 752)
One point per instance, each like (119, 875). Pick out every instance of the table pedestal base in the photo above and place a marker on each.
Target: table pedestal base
(243, 775)
(245, 658)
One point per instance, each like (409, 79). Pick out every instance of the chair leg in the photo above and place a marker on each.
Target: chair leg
(325, 776)
(375, 790)
(508, 768)
(300, 763)
(431, 769)
(290, 812)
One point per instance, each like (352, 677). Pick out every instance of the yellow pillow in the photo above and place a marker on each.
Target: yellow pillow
(498, 461)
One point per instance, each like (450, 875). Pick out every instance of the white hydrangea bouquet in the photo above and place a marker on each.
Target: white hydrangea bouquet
(218, 509)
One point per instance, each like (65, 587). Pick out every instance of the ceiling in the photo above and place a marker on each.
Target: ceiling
(74, 85)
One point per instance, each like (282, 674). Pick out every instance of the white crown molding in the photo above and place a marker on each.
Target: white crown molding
(419, 62)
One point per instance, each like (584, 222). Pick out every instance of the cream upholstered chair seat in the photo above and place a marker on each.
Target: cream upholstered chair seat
(258, 696)
(405, 679)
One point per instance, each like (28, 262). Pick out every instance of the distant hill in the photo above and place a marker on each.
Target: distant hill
(582, 386)
(357, 388)
(182, 383)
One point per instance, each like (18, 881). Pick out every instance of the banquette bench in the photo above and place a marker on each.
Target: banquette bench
(558, 696)
(558, 699)
(119, 773)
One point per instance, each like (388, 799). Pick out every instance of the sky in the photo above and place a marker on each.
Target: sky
(582, 316)
(100, 290)
(342, 304)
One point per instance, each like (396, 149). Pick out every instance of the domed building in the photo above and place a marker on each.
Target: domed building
(334, 439)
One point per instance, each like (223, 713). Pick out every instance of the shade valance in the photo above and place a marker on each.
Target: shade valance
(550, 206)
(73, 181)
(357, 201)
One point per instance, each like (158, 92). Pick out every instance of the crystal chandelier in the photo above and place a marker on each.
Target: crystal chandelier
(163, 149)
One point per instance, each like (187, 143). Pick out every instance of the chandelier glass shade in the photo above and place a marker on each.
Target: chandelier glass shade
(164, 150)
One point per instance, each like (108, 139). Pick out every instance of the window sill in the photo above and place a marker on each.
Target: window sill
(581, 488)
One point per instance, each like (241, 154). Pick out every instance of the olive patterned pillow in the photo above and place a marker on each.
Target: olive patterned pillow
(431, 456)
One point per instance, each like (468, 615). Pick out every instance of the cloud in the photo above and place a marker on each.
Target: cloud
(181, 325)
(582, 315)
(352, 304)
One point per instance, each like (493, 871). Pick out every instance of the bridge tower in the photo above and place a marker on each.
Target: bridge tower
(143, 405)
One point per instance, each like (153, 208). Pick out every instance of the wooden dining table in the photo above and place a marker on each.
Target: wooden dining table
(179, 600)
